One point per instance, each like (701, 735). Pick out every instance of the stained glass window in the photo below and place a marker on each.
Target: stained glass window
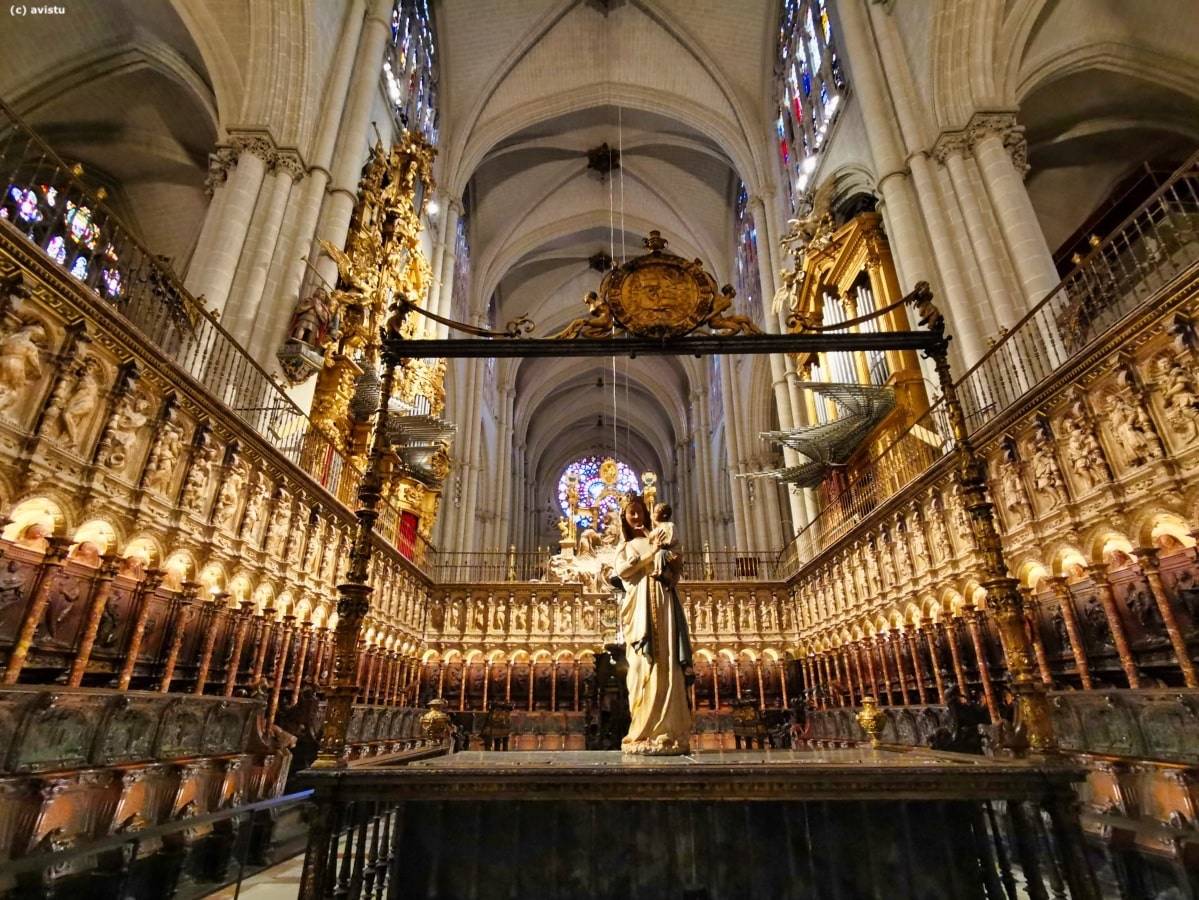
(70, 232)
(594, 491)
(410, 68)
(809, 86)
(748, 280)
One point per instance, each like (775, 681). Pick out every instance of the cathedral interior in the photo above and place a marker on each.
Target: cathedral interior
(599, 448)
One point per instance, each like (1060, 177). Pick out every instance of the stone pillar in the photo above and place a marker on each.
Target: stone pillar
(1000, 151)
(133, 648)
(101, 590)
(1031, 619)
(955, 655)
(51, 565)
(239, 643)
(868, 652)
(243, 319)
(209, 614)
(912, 633)
(930, 637)
(895, 639)
(301, 661)
(279, 667)
(1150, 565)
(354, 132)
(880, 647)
(1077, 648)
(183, 605)
(223, 235)
(307, 211)
(974, 624)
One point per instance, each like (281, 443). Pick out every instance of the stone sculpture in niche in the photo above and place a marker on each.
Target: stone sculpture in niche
(1084, 453)
(127, 420)
(1179, 395)
(196, 488)
(1133, 430)
(78, 407)
(229, 494)
(20, 360)
(1047, 477)
(164, 455)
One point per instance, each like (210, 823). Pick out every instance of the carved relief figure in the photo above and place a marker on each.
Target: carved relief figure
(127, 420)
(1133, 430)
(1179, 395)
(1046, 475)
(20, 361)
(280, 521)
(1083, 451)
(1011, 485)
(499, 616)
(81, 405)
(229, 495)
(479, 621)
(255, 508)
(520, 617)
(196, 488)
(163, 456)
(919, 544)
(703, 615)
(565, 623)
(937, 532)
(543, 615)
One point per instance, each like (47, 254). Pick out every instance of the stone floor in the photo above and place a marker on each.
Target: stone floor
(279, 882)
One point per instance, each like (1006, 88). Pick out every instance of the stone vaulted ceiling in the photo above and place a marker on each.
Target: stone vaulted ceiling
(681, 87)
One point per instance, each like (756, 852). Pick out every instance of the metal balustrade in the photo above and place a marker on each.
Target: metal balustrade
(48, 202)
(1154, 245)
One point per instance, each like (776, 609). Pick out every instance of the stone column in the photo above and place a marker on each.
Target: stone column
(298, 241)
(1000, 150)
(223, 235)
(243, 320)
(208, 627)
(955, 655)
(895, 639)
(184, 605)
(1115, 624)
(912, 634)
(930, 637)
(142, 600)
(868, 652)
(51, 565)
(449, 263)
(101, 591)
(974, 624)
(239, 643)
(1077, 648)
(1150, 565)
(354, 132)
(1034, 633)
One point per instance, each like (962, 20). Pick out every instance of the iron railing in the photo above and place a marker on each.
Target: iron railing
(1152, 246)
(47, 201)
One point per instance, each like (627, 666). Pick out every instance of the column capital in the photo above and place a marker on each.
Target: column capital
(1001, 124)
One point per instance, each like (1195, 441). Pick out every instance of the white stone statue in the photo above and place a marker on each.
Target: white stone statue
(82, 403)
(163, 457)
(229, 495)
(1046, 475)
(127, 420)
(657, 641)
(20, 361)
(196, 488)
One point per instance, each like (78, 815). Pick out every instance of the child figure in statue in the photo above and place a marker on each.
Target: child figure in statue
(663, 539)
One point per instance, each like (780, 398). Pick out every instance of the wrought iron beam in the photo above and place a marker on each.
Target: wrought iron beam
(698, 345)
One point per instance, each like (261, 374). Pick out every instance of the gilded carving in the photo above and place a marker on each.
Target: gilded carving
(1179, 395)
(128, 418)
(1047, 476)
(1083, 451)
(1133, 430)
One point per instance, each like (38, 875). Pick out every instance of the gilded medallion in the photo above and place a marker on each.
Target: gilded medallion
(659, 295)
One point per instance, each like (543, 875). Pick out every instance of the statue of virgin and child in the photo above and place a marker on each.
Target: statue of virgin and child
(658, 646)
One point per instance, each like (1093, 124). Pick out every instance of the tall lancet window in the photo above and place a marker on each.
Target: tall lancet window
(410, 68)
(809, 87)
(748, 281)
